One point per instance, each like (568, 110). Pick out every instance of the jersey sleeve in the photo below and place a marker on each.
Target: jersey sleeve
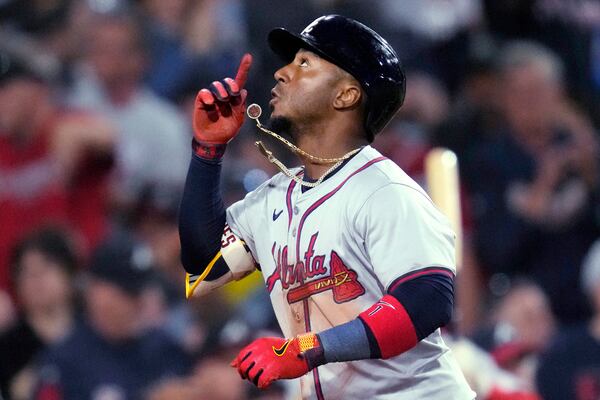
(243, 216)
(404, 234)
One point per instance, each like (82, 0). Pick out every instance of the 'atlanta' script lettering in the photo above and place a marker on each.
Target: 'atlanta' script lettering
(288, 274)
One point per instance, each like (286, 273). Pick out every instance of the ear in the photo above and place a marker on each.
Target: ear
(348, 97)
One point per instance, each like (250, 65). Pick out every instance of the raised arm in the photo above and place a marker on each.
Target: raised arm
(210, 251)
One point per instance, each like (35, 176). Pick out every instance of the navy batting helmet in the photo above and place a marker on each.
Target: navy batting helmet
(358, 50)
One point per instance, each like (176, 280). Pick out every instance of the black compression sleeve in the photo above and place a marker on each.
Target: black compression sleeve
(202, 217)
(428, 300)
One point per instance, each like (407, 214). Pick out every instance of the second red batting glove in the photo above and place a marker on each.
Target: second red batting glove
(268, 359)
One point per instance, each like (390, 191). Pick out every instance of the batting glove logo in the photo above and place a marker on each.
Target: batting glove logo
(281, 351)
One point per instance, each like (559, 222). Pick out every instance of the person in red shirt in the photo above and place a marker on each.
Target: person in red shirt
(54, 163)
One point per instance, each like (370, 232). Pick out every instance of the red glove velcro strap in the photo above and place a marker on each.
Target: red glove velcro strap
(210, 151)
(391, 326)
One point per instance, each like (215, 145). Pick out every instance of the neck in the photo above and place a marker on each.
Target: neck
(328, 140)
(51, 323)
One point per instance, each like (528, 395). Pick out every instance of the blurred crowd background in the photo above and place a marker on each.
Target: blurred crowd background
(95, 128)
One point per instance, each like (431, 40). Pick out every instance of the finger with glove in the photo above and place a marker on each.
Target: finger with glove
(219, 112)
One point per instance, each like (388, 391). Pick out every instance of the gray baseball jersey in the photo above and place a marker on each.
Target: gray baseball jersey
(329, 253)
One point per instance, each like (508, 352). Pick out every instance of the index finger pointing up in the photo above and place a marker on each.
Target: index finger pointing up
(242, 73)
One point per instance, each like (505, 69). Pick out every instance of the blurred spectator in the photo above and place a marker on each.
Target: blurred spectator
(523, 326)
(54, 163)
(408, 138)
(213, 379)
(474, 111)
(567, 27)
(41, 28)
(571, 367)
(533, 183)
(485, 377)
(154, 222)
(43, 266)
(188, 44)
(473, 115)
(110, 355)
(153, 140)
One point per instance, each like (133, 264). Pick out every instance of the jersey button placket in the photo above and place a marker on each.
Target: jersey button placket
(296, 309)
(293, 230)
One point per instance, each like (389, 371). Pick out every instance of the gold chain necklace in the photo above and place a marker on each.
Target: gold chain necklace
(254, 111)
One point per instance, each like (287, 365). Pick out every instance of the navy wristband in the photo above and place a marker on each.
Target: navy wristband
(209, 151)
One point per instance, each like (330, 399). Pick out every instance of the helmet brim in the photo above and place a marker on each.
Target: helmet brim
(286, 44)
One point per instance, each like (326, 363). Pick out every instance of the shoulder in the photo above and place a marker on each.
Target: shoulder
(377, 176)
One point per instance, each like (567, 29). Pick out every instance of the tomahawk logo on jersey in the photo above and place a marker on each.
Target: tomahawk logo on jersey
(338, 278)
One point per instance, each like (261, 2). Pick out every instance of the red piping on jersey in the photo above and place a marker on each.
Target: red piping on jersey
(315, 371)
(415, 274)
(288, 201)
(326, 197)
(318, 388)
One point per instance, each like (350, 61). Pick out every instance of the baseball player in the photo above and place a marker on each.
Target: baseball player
(358, 262)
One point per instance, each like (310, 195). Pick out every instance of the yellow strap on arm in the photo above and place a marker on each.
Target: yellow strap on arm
(192, 281)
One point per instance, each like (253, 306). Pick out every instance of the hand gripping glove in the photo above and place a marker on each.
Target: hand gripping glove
(219, 112)
(268, 359)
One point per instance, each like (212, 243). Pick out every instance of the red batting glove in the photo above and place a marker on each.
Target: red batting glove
(219, 110)
(268, 359)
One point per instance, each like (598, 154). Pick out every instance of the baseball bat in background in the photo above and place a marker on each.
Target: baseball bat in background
(441, 170)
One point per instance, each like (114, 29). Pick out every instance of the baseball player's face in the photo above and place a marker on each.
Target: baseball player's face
(305, 89)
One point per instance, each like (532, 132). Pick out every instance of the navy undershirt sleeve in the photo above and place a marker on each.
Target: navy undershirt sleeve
(202, 218)
(428, 300)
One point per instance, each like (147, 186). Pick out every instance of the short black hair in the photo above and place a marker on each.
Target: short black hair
(52, 242)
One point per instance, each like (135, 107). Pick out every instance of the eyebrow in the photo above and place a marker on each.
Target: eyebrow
(306, 51)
